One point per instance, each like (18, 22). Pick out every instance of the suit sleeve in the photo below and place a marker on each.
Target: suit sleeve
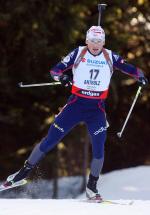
(129, 69)
(64, 65)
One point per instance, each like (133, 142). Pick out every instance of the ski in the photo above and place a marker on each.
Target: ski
(117, 202)
(105, 201)
(9, 183)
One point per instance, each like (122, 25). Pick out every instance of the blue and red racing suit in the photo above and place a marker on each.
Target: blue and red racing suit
(91, 79)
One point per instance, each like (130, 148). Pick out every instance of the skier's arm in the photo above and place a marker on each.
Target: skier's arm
(136, 73)
(67, 63)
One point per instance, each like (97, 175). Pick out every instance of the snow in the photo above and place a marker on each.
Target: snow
(121, 186)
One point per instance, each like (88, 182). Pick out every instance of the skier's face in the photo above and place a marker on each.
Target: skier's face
(95, 46)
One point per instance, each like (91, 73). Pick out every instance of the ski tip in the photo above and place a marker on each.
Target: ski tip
(9, 185)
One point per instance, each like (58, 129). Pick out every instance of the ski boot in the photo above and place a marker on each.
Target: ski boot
(91, 189)
(23, 173)
(19, 178)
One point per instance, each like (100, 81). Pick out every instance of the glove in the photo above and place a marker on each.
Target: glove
(143, 81)
(65, 80)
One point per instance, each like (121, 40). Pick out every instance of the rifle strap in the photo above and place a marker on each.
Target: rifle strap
(106, 55)
(79, 59)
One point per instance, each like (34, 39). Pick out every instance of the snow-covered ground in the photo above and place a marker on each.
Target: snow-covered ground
(122, 186)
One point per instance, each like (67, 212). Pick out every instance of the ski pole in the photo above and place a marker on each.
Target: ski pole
(39, 85)
(101, 7)
(119, 134)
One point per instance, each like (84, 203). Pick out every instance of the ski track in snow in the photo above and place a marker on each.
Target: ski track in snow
(122, 186)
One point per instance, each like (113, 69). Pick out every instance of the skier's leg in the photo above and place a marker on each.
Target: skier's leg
(65, 120)
(69, 117)
(97, 129)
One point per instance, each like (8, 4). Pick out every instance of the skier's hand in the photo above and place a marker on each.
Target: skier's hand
(143, 81)
(65, 80)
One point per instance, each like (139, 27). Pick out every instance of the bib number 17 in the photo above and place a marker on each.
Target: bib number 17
(93, 74)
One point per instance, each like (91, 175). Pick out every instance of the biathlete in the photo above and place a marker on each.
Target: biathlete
(92, 68)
